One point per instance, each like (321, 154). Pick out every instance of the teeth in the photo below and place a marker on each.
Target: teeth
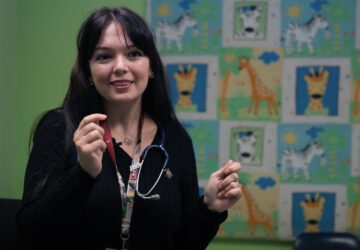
(121, 83)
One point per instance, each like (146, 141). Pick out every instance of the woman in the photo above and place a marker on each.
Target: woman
(79, 190)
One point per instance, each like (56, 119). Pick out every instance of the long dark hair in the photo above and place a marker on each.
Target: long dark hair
(83, 99)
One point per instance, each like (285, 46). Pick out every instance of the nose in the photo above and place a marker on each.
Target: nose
(121, 66)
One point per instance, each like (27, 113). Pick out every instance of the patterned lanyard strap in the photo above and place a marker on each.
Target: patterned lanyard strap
(127, 194)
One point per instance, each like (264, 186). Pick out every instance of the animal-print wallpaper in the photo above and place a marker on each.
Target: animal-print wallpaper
(275, 85)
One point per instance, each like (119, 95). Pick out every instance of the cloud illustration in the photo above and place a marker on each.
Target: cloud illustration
(269, 57)
(265, 182)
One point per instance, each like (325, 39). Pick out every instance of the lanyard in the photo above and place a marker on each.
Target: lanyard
(127, 194)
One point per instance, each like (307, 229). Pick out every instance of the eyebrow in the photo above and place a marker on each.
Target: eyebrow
(101, 48)
(107, 48)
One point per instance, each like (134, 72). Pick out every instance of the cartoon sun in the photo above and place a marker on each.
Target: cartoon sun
(294, 11)
(290, 138)
(164, 10)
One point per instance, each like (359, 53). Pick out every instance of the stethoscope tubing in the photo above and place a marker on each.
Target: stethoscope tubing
(166, 158)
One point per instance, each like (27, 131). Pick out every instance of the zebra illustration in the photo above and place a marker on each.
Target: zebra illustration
(250, 18)
(246, 142)
(300, 159)
(174, 32)
(304, 33)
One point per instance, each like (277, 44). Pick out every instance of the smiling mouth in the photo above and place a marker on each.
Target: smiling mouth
(125, 83)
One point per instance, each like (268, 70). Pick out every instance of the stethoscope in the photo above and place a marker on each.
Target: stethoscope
(159, 147)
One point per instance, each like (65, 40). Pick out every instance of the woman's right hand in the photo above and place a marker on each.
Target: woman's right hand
(90, 144)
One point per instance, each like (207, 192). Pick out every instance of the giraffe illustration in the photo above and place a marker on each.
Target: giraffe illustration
(313, 210)
(356, 98)
(223, 108)
(316, 87)
(185, 82)
(355, 208)
(256, 216)
(354, 212)
(259, 92)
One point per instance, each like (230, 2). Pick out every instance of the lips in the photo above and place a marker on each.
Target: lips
(121, 83)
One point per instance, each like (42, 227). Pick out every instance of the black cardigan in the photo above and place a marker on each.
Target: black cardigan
(73, 210)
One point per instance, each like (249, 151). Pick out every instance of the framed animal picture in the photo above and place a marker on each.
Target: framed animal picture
(247, 143)
(193, 88)
(314, 90)
(251, 23)
(311, 208)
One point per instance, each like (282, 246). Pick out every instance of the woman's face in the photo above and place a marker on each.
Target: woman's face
(119, 70)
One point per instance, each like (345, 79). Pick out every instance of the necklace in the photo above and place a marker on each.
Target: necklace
(127, 141)
(123, 140)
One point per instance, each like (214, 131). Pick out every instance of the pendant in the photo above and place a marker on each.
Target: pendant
(127, 141)
(168, 173)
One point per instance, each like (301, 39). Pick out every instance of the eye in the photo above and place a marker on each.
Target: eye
(102, 57)
(135, 53)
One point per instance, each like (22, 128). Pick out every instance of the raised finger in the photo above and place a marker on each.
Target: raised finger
(232, 168)
(96, 118)
(89, 128)
(221, 172)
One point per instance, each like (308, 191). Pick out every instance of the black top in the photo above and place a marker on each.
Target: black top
(73, 210)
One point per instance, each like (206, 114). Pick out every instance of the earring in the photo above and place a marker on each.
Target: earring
(91, 82)
(152, 75)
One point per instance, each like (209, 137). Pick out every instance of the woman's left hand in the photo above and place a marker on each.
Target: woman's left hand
(223, 189)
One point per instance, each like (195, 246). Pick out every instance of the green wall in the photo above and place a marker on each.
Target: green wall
(8, 55)
(37, 52)
(37, 49)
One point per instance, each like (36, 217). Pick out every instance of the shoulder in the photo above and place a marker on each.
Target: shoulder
(53, 118)
(52, 122)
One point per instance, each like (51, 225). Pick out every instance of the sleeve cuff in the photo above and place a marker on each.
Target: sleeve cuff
(216, 217)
